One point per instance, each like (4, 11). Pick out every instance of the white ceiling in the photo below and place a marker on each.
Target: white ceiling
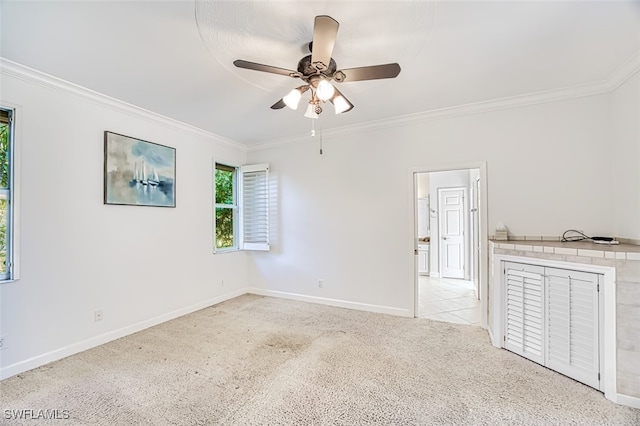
(175, 57)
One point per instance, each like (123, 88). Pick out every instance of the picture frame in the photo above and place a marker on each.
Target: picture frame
(138, 172)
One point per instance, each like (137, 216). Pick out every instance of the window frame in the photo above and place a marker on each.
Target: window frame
(249, 212)
(234, 207)
(12, 194)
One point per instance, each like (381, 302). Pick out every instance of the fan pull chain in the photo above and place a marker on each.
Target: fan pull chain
(313, 133)
(320, 137)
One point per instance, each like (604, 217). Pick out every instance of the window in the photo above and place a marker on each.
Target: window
(255, 207)
(6, 204)
(226, 207)
(241, 207)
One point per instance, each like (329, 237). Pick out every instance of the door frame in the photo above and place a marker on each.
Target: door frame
(474, 222)
(465, 232)
(483, 255)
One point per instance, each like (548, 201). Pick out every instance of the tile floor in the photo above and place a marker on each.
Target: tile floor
(449, 300)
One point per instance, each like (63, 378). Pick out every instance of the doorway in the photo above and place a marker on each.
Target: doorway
(453, 286)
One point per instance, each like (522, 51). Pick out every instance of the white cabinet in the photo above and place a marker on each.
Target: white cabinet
(524, 310)
(552, 316)
(423, 259)
(572, 324)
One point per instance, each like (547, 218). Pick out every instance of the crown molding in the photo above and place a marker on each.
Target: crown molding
(624, 72)
(449, 112)
(615, 80)
(30, 75)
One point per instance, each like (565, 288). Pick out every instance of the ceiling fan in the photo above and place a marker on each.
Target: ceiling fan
(318, 69)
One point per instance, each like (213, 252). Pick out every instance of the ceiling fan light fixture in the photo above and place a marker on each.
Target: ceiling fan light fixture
(341, 104)
(311, 111)
(293, 99)
(325, 90)
(319, 70)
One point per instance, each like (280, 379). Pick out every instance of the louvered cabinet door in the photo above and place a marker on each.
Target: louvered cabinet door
(572, 324)
(524, 327)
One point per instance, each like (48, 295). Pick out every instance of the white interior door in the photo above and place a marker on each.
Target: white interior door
(452, 235)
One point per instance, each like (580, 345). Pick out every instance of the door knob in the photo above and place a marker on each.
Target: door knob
(444, 238)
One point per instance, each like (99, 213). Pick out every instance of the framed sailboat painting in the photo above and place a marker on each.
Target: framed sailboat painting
(138, 173)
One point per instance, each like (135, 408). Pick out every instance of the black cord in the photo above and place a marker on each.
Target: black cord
(579, 237)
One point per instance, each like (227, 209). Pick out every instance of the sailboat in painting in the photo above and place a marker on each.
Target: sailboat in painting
(154, 181)
(138, 173)
(140, 176)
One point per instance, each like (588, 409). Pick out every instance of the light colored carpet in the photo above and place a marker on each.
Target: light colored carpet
(264, 361)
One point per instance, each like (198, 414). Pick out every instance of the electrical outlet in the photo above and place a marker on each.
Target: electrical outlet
(97, 316)
(320, 283)
(221, 283)
(3, 342)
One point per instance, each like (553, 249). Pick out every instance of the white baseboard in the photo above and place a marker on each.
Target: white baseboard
(63, 352)
(629, 401)
(434, 274)
(493, 341)
(333, 302)
(56, 354)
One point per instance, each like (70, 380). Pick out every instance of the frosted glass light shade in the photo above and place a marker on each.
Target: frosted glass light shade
(311, 111)
(292, 99)
(340, 104)
(325, 90)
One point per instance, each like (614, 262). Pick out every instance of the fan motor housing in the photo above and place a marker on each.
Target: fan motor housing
(306, 68)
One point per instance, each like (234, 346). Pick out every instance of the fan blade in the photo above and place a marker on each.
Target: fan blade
(264, 68)
(325, 30)
(346, 104)
(279, 105)
(369, 73)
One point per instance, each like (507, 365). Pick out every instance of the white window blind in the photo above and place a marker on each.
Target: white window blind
(255, 207)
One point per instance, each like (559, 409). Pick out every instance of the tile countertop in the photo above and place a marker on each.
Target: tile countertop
(575, 248)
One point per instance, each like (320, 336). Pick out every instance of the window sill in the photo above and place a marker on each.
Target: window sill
(226, 250)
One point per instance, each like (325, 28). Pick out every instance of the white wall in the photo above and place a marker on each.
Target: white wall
(625, 143)
(422, 183)
(348, 213)
(139, 265)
